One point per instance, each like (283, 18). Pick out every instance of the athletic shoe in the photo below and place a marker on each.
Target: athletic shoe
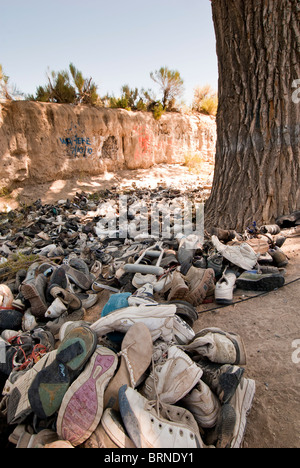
(166, 426)
(82, 406)
(172, 377)
(241, 255)
(223, 380)
(144, 295)
(231, 424)
(159, 319)
(183, 333)
(203, 404)
(179, 288)
(225, 287)
(218, 346)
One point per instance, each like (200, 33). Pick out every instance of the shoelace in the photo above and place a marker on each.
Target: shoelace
(37, 353)
(124, 354)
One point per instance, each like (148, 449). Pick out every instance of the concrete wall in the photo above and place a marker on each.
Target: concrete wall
(45, 142)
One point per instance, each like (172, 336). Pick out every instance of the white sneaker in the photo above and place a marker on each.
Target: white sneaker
(165, 427)
(225, 287)
(172, 378)
(143, 295)
(159, 319)
(183, 333)
(241, 255)
(203, 404)
(140, 280)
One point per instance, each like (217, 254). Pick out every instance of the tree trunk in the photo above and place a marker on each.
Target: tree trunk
(257, 172)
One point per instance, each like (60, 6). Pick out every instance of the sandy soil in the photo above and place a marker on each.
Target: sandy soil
(269, 324)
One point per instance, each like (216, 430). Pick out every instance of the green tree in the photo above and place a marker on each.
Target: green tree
(171, 86)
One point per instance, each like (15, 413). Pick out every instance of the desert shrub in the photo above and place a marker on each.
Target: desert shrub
(205, 100)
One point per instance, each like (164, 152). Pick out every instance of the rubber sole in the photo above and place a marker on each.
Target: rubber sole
(265, 283)
(82, 406)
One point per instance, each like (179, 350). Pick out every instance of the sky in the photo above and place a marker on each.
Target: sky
(115, 42)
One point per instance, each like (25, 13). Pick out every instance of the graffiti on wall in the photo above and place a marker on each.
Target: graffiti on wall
(77, 146)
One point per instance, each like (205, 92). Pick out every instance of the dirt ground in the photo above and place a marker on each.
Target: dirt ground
(269, 324)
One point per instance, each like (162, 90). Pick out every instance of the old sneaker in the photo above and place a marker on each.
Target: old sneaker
(159, 319)
(85, 398)
(172, 377)
(203, 404)
(166, 426)
(222, 379)
(241, 255)
(231, 424)
(225, 287)
(218, 346)
(144, 295)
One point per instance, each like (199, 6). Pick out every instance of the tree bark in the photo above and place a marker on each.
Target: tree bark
(257, 171)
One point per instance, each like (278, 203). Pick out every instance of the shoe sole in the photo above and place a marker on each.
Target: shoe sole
(50, 385)
(244, 399)
(263, 284)
(30, 293)
(82, 406)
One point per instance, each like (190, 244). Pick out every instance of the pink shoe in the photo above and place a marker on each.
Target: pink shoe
(82, 406)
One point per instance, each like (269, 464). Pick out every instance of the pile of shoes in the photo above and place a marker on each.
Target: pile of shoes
(138, 375)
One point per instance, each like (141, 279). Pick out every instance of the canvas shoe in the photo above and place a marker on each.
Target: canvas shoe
(231, 424)
(172, 377)
(252, 281)
(203, 404)
(144, 295)
(241, 255)
(218, 346)
(82, 406)
(223, 380)
(225, 287)
(51, 383)
(166, 426)
(113, 425)
(201, 284)
(159, 319)
(136, 352)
